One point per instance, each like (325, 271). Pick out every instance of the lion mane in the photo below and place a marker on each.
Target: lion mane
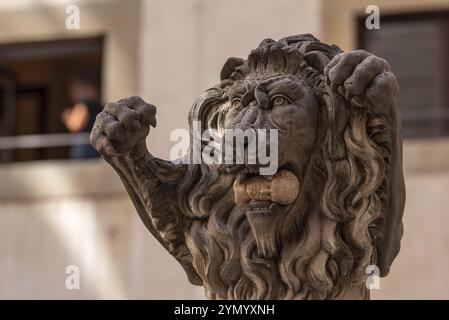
(349, 222)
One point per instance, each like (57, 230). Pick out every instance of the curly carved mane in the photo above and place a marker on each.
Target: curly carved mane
(335, 239)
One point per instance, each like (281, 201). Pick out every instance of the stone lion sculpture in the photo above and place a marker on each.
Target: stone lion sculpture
(340, 145)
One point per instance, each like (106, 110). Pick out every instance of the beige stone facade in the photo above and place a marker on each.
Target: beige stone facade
(59, 213)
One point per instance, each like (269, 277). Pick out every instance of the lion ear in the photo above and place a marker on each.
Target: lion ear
(388, 245)
(229, 67)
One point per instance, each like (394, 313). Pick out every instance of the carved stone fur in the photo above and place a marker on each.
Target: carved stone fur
(340, 152)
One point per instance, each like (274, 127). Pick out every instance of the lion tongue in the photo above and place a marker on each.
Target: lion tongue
(282, 188)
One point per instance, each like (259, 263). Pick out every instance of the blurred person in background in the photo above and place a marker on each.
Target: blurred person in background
(80, 118)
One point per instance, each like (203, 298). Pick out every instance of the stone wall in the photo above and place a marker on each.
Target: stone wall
(54, 214)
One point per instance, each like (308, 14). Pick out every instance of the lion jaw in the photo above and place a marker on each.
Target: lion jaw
(263, 199)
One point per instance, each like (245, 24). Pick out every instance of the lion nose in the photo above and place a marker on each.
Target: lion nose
(256, 97)
(262, 98)
(251, 114)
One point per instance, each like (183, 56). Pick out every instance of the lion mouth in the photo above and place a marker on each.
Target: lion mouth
(264, 198)
(260, 193)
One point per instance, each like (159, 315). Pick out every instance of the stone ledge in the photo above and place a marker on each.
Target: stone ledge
(423, 155)
(62, 178)
(40, 179)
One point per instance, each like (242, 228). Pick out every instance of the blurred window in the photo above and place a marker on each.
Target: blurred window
(417, 47)
(34, 92)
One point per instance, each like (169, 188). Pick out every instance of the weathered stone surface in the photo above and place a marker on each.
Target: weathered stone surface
(339, 140)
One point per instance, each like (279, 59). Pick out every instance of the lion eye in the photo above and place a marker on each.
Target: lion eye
(279, 101)
(236, 103)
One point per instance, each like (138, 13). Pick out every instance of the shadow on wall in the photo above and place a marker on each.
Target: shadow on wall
(47, 226)
(59, 213)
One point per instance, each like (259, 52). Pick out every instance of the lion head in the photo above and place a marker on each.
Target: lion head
(346, 158)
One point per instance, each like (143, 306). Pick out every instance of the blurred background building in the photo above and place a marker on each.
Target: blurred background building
(56, 211)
